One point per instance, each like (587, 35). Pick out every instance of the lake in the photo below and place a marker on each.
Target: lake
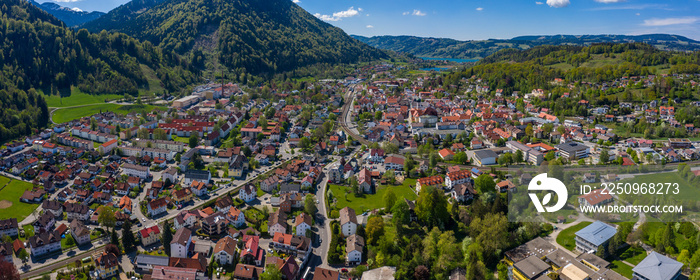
(450, 59)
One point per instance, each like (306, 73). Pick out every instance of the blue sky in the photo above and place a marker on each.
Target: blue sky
(484, 19)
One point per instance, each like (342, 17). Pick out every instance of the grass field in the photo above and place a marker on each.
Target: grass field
(69, 114)
(619, 267)
(4, 181)
(566, 237)
(78, 98)
(633, 255)
(370, 201)
(686, 191)
(12, 192)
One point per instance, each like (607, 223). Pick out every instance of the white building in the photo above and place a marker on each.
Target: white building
(136, 170)
(181, 242)
(247, 193)
(348, 221)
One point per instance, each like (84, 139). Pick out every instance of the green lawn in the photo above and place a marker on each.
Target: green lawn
(28, 231)
(620, 267)
(566, 237)
(633, 254)
(12, 192)
(78, 98)
(181, 139)
(371, 201)
(4, 181)
(69, 114)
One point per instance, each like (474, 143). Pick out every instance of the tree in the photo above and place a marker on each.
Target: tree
(8, 271)
(390, 176)
(390, 148)
(518, 157)
(401, 214)
(604, 156)
(433, 160)
(355, 186)
(70, 241)
(262, 121)
(23, 255)
(461, 158)
(431, 207)
(549, 156)
(106, 217)
(167, 236)
(475, 269)
(194, 140)
(310, 204)
(389, 199)
(374, 230)
(484, 183)
(142, 133)
(114, 238)
(271, 273)
(491, 233)
(114, 249)
(422, 273)
(128, 239)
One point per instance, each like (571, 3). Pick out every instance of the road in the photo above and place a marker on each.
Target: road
(62, 259)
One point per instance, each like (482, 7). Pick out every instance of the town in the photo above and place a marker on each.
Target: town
(225, 184)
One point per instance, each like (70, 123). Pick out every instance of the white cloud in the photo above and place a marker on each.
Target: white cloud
(539, 3)
(637, 14)
(670, 21)
(76, 9)
(350, 12)
(558, 3)
(370, 26)
(296, 1)
(414, 13)
(609, 1)
(479, 9)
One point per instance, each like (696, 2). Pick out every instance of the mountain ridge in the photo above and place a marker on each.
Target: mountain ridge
(254, 36)
(71, 17)
(477, 49)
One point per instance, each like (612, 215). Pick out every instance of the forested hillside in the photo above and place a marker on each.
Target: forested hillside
(476, 49)
(516, 70)
(249, 36)
(38, 51)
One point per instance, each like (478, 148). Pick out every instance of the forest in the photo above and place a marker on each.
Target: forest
(517, 70)
(257, 37)
(39, 52)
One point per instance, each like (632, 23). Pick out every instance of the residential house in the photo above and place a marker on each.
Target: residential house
(302, 223)
(157, 207)
(348, 221)
(180, 244)
(149, 235)
(106, 266)
(9, 227)
(236, 217)
(225, 251)
(247, 193)
(43, 243)
(80, 233)
(353, 249)
(277, 223)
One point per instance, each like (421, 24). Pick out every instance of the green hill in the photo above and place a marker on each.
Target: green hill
(251, 36)
(38, 52)
(477, 49)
